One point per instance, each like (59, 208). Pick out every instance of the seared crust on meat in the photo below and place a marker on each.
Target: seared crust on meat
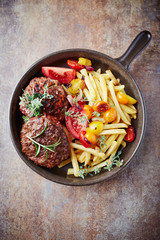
(55, 106)
(51, 135)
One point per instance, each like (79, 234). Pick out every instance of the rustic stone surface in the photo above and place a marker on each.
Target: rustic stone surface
(127, 207)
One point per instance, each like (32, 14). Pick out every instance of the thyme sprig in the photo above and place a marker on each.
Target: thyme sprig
(45, 147)
(102, 141)
(83, 173)
(114, 161)
(34, 101)
(96, 114)
(78, 115)
(109, 166)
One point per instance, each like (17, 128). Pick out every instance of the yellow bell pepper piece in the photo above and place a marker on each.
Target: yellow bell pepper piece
(131, 100)
(84, 61)
(76, 85)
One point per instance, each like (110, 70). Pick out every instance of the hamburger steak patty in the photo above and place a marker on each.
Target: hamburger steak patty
(56, 104)
(50, 136)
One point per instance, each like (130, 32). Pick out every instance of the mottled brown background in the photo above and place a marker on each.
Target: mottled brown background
(125, 208)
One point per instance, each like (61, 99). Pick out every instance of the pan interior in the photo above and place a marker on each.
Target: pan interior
(60, 58)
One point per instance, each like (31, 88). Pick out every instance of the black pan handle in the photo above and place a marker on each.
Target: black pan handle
(138, 44)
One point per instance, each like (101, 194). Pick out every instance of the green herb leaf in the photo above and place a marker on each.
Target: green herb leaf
(45, 147)
(38, 150)
(103, 144)
(97, 170)
(97, 114)
(34, 101)
(41, 132)
(25, 118)
(115, 161)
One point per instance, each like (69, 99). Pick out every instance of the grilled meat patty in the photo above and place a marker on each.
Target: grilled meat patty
(53, 132)
(54, 100)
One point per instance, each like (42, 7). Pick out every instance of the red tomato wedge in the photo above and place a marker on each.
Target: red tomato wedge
(63, 75)
(130, 136)
(75, 121)
(75, 65)
(84, 141)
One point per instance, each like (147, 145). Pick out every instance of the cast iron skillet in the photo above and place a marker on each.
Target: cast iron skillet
(119, 67)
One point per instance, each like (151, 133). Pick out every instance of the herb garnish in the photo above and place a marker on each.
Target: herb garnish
(34, 101)
(83, 173)
(97, 114)
(102, 142)
(78, 115)
(46, 147)
(25, 118)
(109, 166)
(97, 170)
(115, 161)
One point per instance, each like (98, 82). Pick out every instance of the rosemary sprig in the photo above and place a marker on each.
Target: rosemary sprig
(45, 147)
(41, 132)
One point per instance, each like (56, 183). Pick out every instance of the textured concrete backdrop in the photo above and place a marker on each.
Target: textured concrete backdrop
(125, 208)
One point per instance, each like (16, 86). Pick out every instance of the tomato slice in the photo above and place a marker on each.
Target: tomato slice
(75, 65)
(75, 121)
(63, 75)
(130, 136)
(84, 140)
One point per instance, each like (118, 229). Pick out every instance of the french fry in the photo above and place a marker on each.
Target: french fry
(89, 150)
(74, 163)
(115, 125)
(127, 115)
(88, 158)
(134, 116)
(82, 157)
(79, 75)
(123, 143)
(104, 88)
(113, 131)
(70, 171)
(99, 70)
(122, 115)
(94, 86)
(110, 76)
(111, 149)
(87, 94)
(127, 109)
(108, 153)
(119, 141)
(117, 88)
(88, 84)
(108, 142)
(96, 74)
(64, 163)
(132, 106)
(99, 89)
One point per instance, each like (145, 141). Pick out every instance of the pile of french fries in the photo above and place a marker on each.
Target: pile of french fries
(101, 86)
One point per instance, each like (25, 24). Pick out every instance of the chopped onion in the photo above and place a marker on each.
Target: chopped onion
(89, 68)
(79, 97)
(70, 100)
